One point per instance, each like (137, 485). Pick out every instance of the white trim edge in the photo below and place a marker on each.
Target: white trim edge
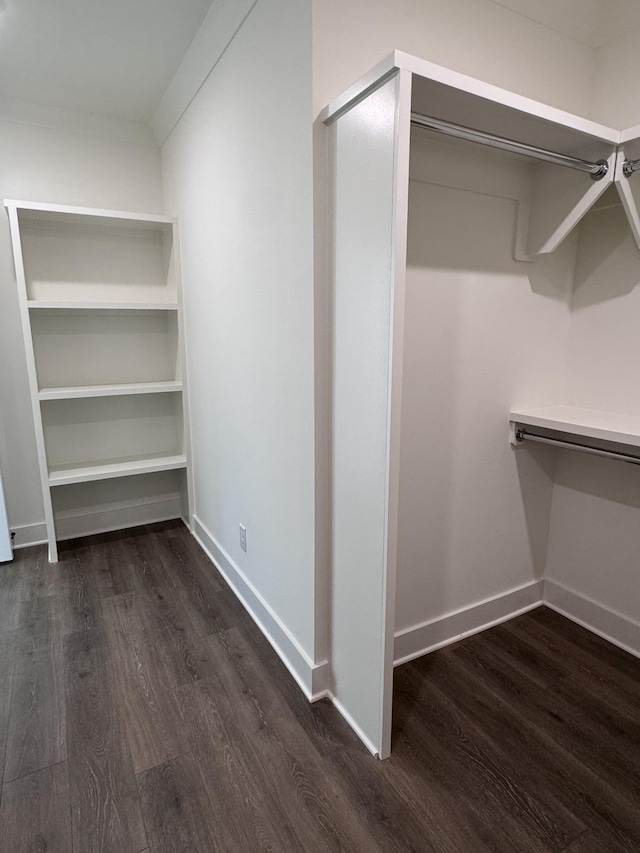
(352, 723)
(421, 639)
(310, 677)
(220, 26)
(618, 629)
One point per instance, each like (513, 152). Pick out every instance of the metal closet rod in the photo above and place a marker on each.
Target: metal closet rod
(596, 170)
(523, 435)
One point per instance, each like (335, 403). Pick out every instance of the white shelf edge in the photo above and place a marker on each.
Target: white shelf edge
(74, 392)
(398, 60)
(43, 207)
(109, 470)
(103, 306)
(586, 423)
(504, 97)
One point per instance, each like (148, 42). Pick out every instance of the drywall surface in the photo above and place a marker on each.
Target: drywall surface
(594, 537)
(617, 66)
(52, 164)
(475, 37)
(474, 514)
(238, 168)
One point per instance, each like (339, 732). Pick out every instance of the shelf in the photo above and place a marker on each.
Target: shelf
(122, 389)
(586, 423)
(104, 306)
(60, 475)
(31, 210)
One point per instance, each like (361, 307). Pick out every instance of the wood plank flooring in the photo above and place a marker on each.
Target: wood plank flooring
(142, 711)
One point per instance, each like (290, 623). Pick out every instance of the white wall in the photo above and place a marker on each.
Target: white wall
(238, 168)
(594, 537)
(66, 159)
(617, 66)
(476, 37)
(474, 516)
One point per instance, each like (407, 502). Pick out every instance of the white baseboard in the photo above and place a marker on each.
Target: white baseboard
(421, 639)
(311, 678)
(26, 535)
(595, 617)
(103, 519)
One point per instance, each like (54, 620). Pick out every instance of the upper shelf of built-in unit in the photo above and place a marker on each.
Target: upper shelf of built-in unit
(453, 97)
(90, 258)
(584, 423)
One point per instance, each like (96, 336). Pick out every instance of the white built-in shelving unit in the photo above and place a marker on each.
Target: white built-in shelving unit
(480, 347)
(101, 311)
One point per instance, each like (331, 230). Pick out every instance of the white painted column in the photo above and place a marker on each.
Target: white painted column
(371, 152)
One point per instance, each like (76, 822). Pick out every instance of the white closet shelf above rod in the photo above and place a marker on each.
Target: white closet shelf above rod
(597, 170)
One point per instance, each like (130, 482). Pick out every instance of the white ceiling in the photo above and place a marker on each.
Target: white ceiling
(114, 57)
(590, 22)
(117, 57)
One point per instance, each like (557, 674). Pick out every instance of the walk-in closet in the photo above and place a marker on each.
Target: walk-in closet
(484, 372)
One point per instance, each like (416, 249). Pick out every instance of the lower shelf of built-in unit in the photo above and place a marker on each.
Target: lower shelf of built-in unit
(61, 475)
(102, 306)
(586, 423)
(123, 389)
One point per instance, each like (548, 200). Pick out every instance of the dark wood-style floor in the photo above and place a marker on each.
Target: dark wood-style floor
(141, 709)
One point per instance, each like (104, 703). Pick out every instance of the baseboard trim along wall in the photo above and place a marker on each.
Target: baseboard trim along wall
(311, 678)
(421, 639)
(603, 621)
(88, 521)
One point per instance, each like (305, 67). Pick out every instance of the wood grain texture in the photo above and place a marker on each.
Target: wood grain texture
(291, 795)
(170, 619)
(523, 738)
(82, 611)
(153, 724)
(7, 657)
(114, 573)
(35, 813)
(11, 594)
(36, 733)
(177, 810)
(105, 805)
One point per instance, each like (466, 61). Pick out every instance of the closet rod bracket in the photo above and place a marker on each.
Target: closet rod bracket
(602, 171)
(629, 167)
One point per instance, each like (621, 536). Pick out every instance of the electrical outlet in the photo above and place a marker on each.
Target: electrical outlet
(243, 537)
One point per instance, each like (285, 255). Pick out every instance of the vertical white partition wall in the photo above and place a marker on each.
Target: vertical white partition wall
(6, 552)
(371, 152)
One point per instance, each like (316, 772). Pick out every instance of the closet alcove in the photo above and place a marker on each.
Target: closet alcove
(481, 297)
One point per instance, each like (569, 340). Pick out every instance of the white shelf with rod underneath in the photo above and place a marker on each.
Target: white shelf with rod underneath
(608, 434)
